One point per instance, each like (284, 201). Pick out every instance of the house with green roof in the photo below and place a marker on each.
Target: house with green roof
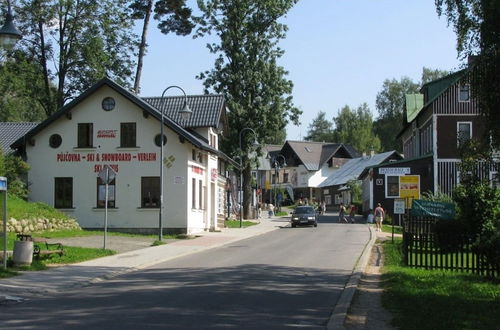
(437, 120)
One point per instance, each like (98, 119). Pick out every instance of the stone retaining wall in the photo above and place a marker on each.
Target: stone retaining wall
(27, 226)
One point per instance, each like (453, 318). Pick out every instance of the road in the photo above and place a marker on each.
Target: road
(286, 278)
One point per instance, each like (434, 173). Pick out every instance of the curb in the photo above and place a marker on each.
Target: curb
(339, 313)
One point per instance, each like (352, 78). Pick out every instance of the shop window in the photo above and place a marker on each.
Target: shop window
(101, 193)
(63, 193)
(150, 192)
(392, 186)
(85, 135)
(128, 135)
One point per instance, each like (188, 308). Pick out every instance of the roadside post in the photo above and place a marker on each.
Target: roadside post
(3, 191)
(106, 175)
(399, 208)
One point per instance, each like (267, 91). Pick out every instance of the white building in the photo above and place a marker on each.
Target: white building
(107, 125)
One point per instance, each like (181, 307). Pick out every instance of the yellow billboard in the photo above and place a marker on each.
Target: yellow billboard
(409, 188)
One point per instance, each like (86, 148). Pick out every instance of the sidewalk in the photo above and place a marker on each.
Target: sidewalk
(84, 273)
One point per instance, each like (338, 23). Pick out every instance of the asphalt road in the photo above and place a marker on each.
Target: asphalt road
(286, 278)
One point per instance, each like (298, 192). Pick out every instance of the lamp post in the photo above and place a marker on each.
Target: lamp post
(185, 114)
(277, 167)
(241, 171)
(9, 34)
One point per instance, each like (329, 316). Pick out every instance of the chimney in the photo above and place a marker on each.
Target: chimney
(372, 152)
(364, 154)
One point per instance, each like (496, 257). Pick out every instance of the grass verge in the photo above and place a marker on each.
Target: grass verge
(434, 299)
(388, 229)
(236, 224)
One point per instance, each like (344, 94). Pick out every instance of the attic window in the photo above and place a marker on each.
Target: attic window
(307, 149)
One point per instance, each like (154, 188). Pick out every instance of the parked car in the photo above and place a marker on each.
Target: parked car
(304, 215)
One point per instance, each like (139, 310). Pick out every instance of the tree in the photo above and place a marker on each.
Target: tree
(20, 86)
(429, 75)
(355, 127)
(15, 170)
(477, 25)
(74, 43)
(390, 103)
(320, 130)
(173, 16)
(246, 71)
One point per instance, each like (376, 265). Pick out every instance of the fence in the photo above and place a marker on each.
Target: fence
(425, 246)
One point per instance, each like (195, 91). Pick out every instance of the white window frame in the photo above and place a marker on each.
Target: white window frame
(493, 174)
(460, 88)
(386, 186)
(458, 131)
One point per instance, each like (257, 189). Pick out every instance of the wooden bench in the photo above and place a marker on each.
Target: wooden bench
(41, 246)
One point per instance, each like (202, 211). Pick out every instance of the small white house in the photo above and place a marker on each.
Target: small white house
(107, 125)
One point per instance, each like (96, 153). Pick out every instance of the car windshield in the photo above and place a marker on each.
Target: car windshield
(304, 210)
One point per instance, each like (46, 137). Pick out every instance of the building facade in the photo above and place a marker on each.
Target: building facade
(107, 125)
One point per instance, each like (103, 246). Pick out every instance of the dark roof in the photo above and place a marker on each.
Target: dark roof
(207, 109)
(314, 154)
(189, 136)
(354, 167)
(397, 162)
(10, 132)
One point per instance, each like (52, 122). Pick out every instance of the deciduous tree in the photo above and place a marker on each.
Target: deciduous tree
(355, 127)
(246, 71)
(76, 42)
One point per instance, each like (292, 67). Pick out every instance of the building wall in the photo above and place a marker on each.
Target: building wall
(447, 133)
(83, 166)
(422, 167)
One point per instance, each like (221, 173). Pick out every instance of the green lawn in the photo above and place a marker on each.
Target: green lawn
(433, 299)
(236, 223)
(388, 229)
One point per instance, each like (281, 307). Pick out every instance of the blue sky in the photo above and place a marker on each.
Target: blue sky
(338, 52)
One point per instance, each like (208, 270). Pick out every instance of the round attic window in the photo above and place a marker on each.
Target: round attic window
(108, 104)
(158, 139)
(55, 140)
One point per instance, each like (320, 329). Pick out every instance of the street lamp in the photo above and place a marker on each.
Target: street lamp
(9, 34)
(241, 170)
(185, 114)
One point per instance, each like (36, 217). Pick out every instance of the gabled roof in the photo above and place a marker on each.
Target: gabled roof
(10, 132)
(207, 109)
(354, 167)
(314, 154)
(189, 136)
(433, 90)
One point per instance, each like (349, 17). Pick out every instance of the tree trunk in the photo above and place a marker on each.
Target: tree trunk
(247, 192)
(47, 104)
(142, 47)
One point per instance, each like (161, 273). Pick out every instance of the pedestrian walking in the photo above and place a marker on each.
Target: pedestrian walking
(379, 217)
(369, 219)
(352, 213)
(270, 210)
(342, 212)
(323, 207)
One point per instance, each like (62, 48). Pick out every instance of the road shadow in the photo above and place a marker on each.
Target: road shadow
(246, 296)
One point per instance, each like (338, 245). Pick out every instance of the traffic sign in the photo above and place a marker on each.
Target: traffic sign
(107, 174)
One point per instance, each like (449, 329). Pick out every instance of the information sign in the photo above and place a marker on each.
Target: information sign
(399, 206)
(433, 209)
